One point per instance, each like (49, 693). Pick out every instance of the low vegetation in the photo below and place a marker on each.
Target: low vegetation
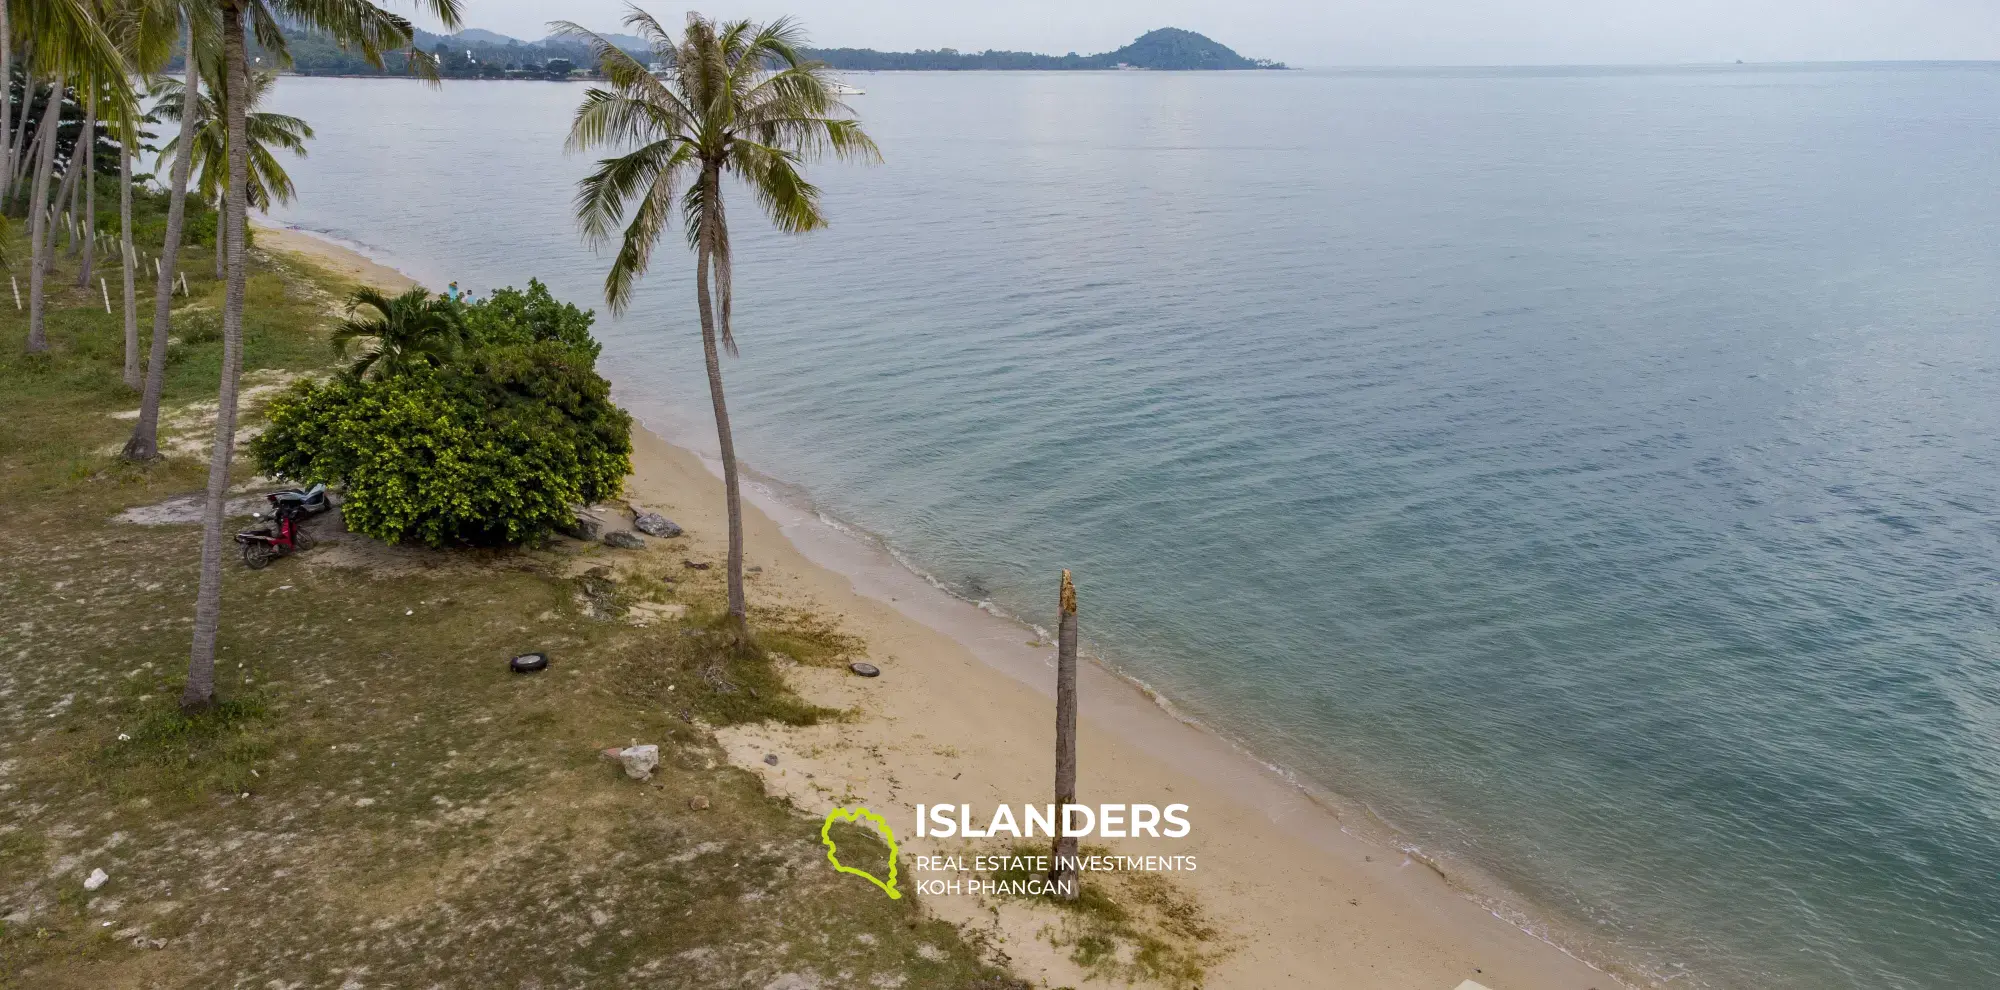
(376, 800)
(1128, 927)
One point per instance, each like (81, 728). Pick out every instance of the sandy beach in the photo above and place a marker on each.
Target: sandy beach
(1301, 893)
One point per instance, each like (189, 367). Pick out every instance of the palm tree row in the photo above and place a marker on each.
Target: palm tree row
(732, 99)
(98, 53)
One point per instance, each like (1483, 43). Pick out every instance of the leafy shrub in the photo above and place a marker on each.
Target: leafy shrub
(515, 316)
(493, 448)
(197, 326)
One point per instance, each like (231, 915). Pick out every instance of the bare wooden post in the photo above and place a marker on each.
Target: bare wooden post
(1062, 872)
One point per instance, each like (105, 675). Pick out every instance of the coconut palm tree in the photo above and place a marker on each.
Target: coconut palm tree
(355, 24)
(736, 99)
(198, 31)
(413, 329)
(144, 31)
(268, 180)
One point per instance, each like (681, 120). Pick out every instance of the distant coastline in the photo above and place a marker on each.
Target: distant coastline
(478, 54)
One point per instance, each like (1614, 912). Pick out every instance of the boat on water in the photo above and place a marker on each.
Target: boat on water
(843, 89)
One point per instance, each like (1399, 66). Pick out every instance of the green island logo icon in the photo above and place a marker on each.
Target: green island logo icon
(855, 815)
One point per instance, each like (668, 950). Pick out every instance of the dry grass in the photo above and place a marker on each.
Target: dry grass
(1130, 927)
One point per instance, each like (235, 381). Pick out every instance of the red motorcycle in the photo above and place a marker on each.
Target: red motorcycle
(283, 536)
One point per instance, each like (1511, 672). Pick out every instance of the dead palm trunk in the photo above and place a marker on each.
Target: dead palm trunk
(38, 213)
(200, 691)
(129, 267)
(705, 266)
(1063, 875)
(89, 179)
(145, 442)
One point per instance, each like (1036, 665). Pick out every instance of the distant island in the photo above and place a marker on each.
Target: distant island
(1162, 49)
(480, 54)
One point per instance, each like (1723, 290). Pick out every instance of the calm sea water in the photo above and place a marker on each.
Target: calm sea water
(1594, 471)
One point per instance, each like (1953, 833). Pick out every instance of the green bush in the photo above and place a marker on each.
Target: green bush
(515, 316)
(197, 326)
(493, 448)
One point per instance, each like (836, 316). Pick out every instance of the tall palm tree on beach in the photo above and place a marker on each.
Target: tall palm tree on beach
(354, 24)
(736, 99)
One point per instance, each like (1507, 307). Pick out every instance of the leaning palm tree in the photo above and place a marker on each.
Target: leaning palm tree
(410, 330)
(734, 98)
(196, 20)
(354, 24)
(268, 181)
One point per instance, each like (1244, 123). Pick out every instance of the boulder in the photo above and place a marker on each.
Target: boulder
(639, 761)
(582, 527)
(624, 541)
(96, 879)
(654, 524)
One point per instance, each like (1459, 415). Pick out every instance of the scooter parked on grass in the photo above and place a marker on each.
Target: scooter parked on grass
(283, 536)
(308, 501)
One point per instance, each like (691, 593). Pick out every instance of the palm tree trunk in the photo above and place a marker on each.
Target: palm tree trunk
(221, 250)
(200, 691)
(128, 269)
(38, 213)
(23, 163)
(7, 97)
(15, 151)
(89, 180)
(145, 442)
(1063, 874)
(71, 188)
(732, 492)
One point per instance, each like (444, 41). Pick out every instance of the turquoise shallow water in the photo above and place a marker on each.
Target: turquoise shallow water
(1592, 470)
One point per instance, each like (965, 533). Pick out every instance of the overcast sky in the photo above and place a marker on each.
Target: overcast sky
(1361, 32)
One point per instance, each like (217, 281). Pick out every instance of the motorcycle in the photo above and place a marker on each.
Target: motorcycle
(284, 535)
(307, 501)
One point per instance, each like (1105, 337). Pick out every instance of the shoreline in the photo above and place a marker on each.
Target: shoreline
(1304, 896)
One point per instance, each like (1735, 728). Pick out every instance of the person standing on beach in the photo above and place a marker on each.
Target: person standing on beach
(451, 292)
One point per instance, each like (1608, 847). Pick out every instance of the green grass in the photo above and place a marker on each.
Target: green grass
(376, 791)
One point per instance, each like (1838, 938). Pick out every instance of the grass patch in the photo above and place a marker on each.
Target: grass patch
(707, 670)
(172, 752)
(1128, 926)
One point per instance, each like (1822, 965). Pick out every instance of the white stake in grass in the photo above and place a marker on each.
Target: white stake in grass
(17, 291)
(184, 284)
(105, 287)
